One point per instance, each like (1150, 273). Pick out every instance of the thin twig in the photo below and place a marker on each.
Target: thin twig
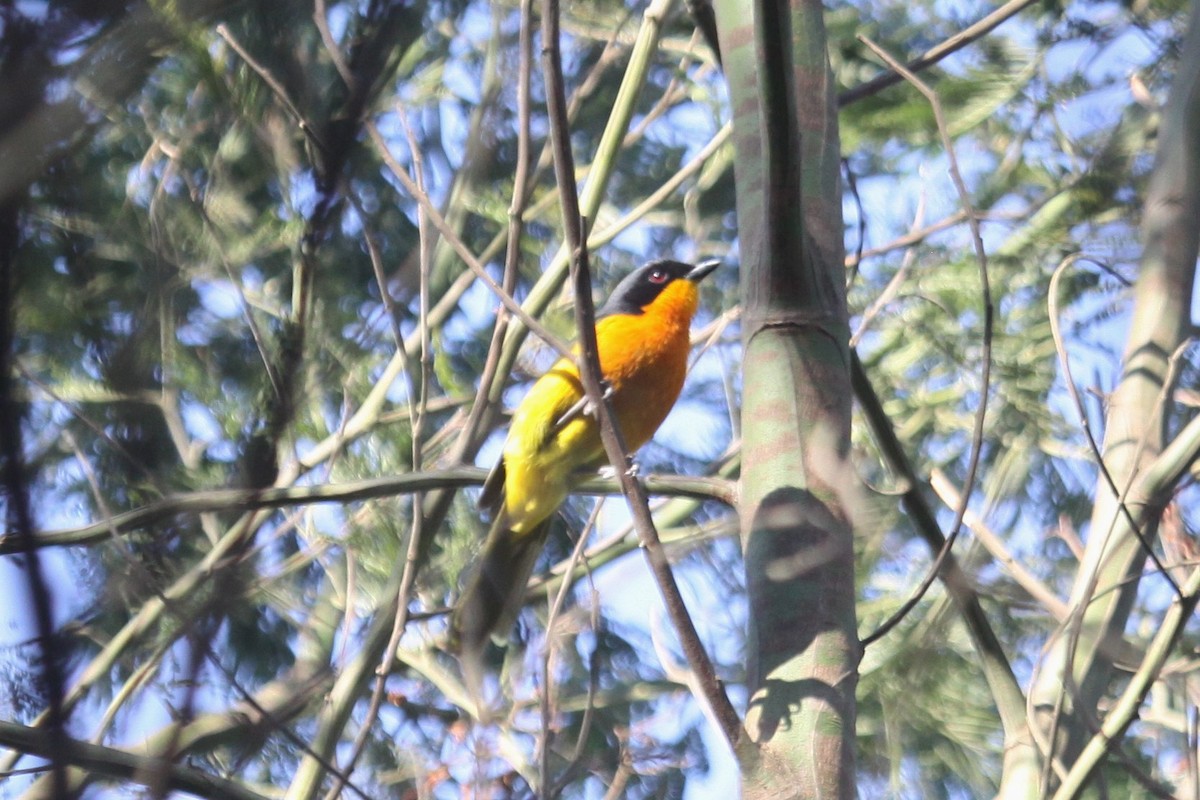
(215, 238)
(321, 20)
(610, 56)
(418, 389)
(151, 477)
(275, 723)
(1126, 707)
(610, 232)
(459, 246)
(589, 707)
(222, 30)
(1074, 624)
(1044, 740)
(183, 613)
(712, 689)
(471, 434)
(548, 649)
(918, 236)
(995, 545)
(986, 355)
(375, 256)
(893, 286)
(1085, 425)
(114, 763)
(935, 54)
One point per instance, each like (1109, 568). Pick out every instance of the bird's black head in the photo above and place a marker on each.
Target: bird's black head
(641, 287)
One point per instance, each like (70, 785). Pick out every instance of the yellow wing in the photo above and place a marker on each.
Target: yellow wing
(541, 454)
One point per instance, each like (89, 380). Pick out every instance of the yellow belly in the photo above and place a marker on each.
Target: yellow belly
(644, 366)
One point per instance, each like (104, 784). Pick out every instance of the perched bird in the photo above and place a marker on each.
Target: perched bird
(642, 334)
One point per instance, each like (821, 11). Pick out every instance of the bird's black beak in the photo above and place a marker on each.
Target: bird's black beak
(701, 270)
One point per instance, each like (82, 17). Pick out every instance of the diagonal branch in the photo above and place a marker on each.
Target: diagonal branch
(986, 356)
(113, 763)
(935, 54)
(712, 689)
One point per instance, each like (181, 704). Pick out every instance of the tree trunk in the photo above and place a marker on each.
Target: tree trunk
(797, 483)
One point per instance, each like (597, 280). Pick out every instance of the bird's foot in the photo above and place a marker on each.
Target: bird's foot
(589, 407)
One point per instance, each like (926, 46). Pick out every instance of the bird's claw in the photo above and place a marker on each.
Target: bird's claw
(631, 469)
(606, 393)
(583, 407)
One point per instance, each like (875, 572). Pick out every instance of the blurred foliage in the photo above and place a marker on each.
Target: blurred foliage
(160, 245)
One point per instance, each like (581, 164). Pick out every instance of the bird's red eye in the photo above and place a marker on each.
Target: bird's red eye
(658, 276)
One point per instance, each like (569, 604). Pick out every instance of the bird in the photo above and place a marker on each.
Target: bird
(643, 342)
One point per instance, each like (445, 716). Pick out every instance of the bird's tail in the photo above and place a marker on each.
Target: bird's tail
(495, 591)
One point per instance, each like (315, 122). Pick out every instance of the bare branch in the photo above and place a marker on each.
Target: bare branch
(935, 54)
(986, 356)
(114, 763)
(252, 499)
(713, 691)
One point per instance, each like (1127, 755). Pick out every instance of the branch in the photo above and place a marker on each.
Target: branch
(1121, 493)
(418, 402)
(459, 246)
(113, 763)
(250, 499)
(994, 544)
(921, 514)
(986, 356)
(936, 54)
(712, 689)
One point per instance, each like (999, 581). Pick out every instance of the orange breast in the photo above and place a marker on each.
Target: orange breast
(645, 366)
